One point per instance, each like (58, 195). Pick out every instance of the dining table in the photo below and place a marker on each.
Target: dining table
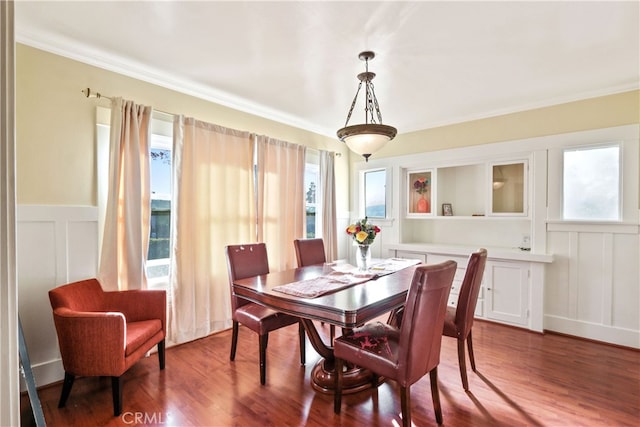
(337, 294)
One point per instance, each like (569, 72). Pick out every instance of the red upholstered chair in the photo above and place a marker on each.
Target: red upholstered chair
(459, 319)
(105, 333)
(406, 353)
(248, 261)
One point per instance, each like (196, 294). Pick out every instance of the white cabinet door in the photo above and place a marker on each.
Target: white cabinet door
(507, 296)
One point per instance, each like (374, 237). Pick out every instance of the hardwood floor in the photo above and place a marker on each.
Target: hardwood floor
(523, 379)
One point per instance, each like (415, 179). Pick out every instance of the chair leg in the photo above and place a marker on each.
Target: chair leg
(435, 394)
(303, 347)
(337, 395)
(234, 340)
(470, 348)
(263, 358)
(116, 389)
(405, 403)
(161, 346)
(463, 365)
(66, 389)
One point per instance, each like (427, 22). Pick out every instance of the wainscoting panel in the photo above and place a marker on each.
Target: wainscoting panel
(592, 286)
(55, 245)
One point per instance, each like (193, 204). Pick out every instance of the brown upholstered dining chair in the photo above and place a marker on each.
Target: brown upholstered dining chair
(311, 252)
(249, 261)
(406, 353)
(459, 320)
(105, 333)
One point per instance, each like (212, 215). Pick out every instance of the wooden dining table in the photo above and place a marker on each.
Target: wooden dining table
(346, 308)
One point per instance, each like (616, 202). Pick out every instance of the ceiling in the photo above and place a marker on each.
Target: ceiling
(296, 62)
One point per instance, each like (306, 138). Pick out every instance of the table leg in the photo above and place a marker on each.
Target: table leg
(355, 379)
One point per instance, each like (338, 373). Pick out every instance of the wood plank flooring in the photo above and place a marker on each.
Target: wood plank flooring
(523, 379)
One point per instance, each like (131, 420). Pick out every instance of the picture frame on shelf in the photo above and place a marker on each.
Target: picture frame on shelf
(447, 209)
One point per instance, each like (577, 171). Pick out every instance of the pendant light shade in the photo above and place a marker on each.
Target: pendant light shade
(365, 139)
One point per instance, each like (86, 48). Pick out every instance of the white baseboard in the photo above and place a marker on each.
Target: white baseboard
(594, 331)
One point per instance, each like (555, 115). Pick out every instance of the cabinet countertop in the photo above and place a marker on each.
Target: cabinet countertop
(496, 253)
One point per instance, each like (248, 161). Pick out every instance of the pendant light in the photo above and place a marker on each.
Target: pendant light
(365, 139)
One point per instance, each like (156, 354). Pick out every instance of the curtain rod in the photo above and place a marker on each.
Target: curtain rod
(90, 94)
(93, 94)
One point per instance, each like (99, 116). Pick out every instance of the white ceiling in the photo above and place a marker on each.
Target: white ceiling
(296, 62)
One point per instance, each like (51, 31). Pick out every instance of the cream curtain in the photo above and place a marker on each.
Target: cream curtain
(281, 203)
(214, 206)
(328, 219)
(125, 239)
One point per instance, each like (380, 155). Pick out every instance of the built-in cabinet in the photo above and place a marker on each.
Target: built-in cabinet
(509, 293)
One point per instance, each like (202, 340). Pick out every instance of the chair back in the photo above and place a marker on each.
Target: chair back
(423, 320)
(85, 295)
(245, 261)
(309, 251)
(468, 297)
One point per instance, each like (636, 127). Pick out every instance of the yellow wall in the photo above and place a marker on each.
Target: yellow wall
(594, 113)
(56, 125)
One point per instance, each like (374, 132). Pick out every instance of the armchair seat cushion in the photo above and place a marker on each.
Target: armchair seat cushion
(138, 333)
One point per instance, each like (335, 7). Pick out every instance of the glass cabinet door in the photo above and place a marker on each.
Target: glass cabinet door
(508, 188)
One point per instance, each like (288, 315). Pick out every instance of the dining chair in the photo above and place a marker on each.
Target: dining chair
(249, 261)
(406, 353)
(459, 320)
(102, 334)
(311, 252)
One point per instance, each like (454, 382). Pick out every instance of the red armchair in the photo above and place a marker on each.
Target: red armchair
(105, 333)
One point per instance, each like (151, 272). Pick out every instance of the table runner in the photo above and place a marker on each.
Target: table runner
(343, 276)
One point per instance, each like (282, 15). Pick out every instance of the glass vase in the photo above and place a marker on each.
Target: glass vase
(363, 257)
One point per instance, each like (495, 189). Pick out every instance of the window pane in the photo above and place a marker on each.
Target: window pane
(375, 194)
(160, 209)
(311, 175)
(591, 184)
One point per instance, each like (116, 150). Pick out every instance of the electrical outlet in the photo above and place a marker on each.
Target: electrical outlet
(526, 242)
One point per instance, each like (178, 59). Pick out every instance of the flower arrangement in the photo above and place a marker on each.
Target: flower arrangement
(363, 232)
(421, 185)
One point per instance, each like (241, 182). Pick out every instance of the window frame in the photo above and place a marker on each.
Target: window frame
(363, 195)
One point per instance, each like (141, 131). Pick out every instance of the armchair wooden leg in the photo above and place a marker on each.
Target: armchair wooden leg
(66, 389)
(234, 340)
(463, 365)
(435, 394)
(263, 358)
(303, 348)
(405, 403)
(337, 395)
(470, 348)
(161, 354)
(116, 389)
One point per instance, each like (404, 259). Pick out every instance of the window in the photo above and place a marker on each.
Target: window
(158, 257)
(375, 193)
(591, 183)
(311, 180)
